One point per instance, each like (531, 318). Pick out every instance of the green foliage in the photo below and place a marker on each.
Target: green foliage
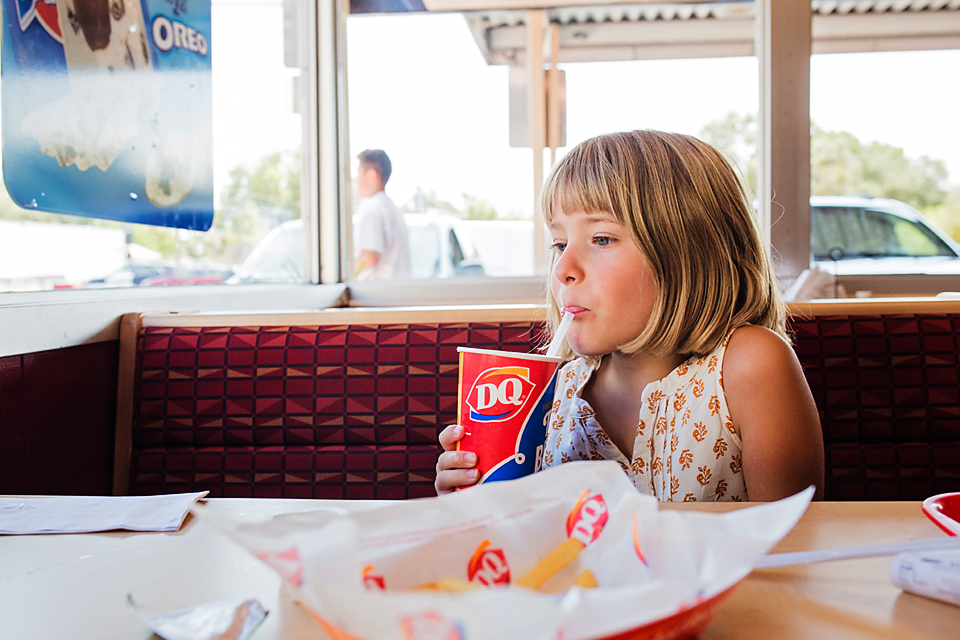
(946, 215)
(735, 136)
(840, 164)
(474, 208)
(478, 208)
(424, 200)
(255, 202)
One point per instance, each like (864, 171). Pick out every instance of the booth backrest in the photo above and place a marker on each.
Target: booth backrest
(347, 403)
(342, 404)
(884, 375)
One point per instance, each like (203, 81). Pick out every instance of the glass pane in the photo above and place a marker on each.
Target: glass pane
(917, 240)
(256, 182)
(433, 92)
(879, 238)
(857, 148)
(829, 233)
(420, 90)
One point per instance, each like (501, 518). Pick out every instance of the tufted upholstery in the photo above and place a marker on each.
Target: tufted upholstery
(353, 410)
(343, 411)
(889, 401)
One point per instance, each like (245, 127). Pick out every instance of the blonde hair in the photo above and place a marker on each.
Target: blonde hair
(691, 219)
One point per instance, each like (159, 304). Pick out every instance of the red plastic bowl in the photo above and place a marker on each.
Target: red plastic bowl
(944, 510)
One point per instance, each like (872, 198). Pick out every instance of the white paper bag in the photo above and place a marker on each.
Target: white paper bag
(358, 573)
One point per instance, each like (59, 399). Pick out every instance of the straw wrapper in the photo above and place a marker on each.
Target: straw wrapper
(359, 573)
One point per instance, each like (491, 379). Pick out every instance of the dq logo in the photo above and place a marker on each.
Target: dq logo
(371, 581)
(499, 394)
(44, 12)
(488, 566)
(587, 519)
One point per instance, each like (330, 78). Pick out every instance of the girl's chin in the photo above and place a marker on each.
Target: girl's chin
(586, 349)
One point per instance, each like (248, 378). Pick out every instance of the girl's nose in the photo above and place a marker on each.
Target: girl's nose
(566, 267)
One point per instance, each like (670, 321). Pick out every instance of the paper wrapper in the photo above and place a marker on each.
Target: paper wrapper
(659, 573)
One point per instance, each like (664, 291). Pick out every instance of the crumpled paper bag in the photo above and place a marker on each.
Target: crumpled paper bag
(358, 573)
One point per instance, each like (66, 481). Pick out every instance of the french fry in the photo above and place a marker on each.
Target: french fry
(557, 560)
(454, 585)
(586, 580)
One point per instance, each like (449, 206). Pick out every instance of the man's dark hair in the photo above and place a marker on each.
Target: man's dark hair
(377, 159)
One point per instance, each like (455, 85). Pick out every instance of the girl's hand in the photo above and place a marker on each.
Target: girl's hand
(454, 468)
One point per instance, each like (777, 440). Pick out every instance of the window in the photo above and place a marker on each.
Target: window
(257, 136)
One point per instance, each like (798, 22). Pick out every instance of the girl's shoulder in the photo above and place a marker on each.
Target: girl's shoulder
(754, 353)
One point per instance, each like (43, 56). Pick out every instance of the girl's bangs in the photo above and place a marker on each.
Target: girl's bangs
(577, 185)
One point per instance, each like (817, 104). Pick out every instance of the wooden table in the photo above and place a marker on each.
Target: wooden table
(74, 587)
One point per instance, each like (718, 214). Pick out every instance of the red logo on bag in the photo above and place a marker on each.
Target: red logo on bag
(587, 519)
(286, 563)
(429, 625)
(488, 566)
(499, 393)
(371, 581)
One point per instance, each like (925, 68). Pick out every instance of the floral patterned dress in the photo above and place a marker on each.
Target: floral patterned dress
(686, 448)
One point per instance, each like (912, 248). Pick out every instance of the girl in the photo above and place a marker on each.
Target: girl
(681, 371)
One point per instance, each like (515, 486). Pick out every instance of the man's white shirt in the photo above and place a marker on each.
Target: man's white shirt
(380, 227)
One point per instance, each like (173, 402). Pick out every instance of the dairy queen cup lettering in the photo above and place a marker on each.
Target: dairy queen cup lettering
(504, 404)
(499, 393)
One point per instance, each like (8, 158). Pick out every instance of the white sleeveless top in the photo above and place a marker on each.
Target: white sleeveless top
(686, 449)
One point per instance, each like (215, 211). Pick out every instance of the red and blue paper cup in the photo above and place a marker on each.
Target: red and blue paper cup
(504, 399)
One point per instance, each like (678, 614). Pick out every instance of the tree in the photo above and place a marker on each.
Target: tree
(424, 200)
(255, 202)
(840, 164)
(735, 136)
(946, 215)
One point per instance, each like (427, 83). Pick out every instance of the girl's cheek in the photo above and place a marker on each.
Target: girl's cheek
(555, 287)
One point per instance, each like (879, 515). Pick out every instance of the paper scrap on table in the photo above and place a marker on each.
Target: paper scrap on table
(932, 574)
(225, 620)
(83, 514)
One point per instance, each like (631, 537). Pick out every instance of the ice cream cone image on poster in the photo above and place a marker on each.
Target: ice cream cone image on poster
(170, 168)
(92, 125)
(103, 34)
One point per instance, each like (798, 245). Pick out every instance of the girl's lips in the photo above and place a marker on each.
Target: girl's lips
(573, 310)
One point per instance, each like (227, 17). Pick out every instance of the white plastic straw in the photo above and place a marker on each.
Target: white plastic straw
(561, 333)
(822, 555)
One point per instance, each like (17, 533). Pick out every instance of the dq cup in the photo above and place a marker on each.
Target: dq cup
(504, 400)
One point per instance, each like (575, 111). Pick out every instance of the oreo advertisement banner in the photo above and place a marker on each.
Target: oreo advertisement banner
(107, 109)
(504, 404)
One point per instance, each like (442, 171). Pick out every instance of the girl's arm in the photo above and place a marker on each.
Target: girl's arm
(773, 410)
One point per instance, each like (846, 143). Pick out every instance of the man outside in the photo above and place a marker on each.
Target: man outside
(381, 237)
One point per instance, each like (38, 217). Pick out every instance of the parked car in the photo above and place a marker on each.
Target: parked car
(440, 247)
(151, 275)
(871, 236)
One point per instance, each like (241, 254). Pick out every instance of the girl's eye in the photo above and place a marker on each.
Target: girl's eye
(603, 241)
(559, 246)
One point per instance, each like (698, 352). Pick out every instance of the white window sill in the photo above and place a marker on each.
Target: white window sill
(40, 321)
